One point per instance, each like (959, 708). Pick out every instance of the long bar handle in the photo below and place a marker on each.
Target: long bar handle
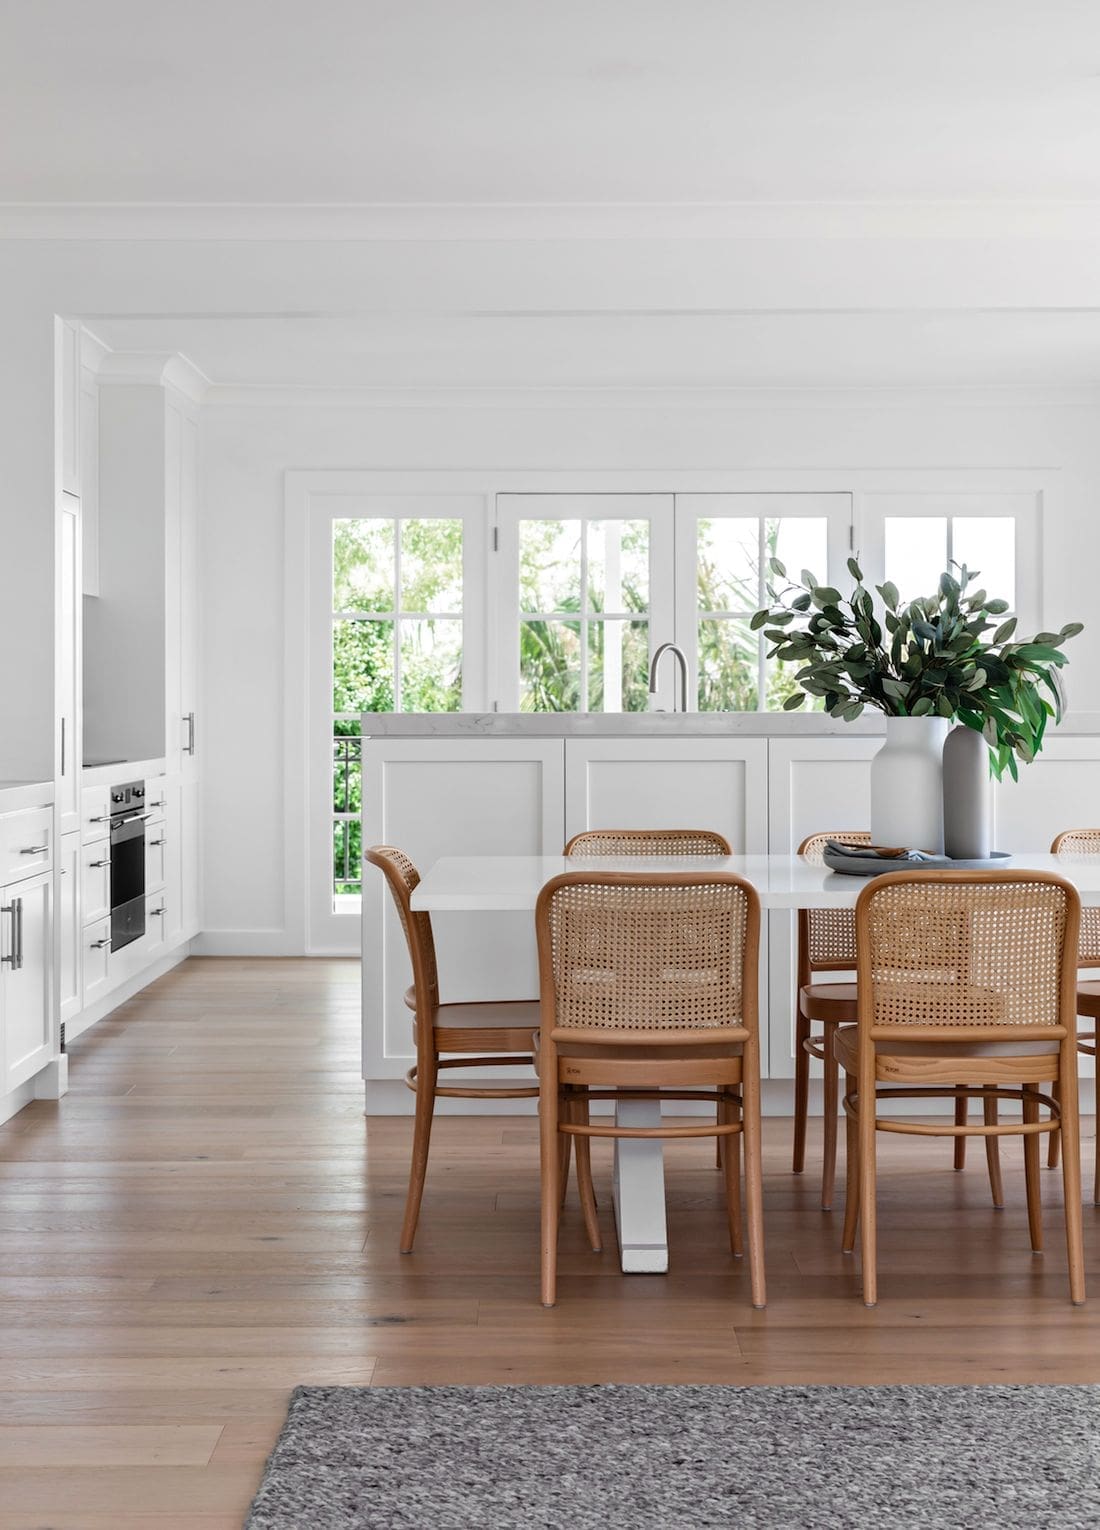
(15, 909)
(35, 850)
(97, 945)
(62, 746)
(189, 747)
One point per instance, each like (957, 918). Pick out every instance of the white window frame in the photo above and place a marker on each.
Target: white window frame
(331, 927)
(511, 509)
(833, 507)
(1021, 505)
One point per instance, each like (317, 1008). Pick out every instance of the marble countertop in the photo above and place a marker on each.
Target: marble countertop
(646, 725)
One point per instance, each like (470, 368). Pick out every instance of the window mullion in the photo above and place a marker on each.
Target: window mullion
(397, 615)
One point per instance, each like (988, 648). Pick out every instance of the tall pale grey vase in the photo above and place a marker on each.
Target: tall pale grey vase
(966, 795)
(907, 785)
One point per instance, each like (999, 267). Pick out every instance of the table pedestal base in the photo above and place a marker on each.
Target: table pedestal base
(639, 1192)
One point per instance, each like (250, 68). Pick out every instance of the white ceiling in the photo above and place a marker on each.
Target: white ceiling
(525, 101)
(635, 351)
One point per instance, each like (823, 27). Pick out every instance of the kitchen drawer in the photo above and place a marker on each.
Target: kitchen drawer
(156, 802)
(97, 961)
(95, 813)
(156, 915)
(156, 848)
(25, 843)
(95, 881)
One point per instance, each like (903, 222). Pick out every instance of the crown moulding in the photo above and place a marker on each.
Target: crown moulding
(165, 370)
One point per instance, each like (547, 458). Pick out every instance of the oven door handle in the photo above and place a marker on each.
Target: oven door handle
(117, 823)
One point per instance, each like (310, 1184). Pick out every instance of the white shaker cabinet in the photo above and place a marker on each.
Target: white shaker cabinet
(26, 960)
(68, 666)
(69, 922)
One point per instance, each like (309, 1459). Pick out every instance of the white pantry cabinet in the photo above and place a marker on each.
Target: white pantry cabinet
(68, 667)
(69, 921)
(26, 961)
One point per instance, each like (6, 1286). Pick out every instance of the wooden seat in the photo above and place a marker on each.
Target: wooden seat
(826, 943)
(648, 987)
(488, 1035)
(1077, 842)
(648, 842)
(967, 984)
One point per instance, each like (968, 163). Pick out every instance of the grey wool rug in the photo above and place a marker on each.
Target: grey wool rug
(684, 1458)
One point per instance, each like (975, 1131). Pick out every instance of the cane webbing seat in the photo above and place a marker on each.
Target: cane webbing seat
(648, 842)
(476, 1035)
(649, 986)
(966, 989)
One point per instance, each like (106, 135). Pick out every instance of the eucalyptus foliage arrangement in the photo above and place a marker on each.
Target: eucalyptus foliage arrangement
(944, 655)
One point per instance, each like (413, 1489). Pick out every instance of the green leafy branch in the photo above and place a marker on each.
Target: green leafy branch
(932, 657)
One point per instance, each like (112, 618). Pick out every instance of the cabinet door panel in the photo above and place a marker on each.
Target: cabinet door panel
(95, 881)
(68, 664)
(68, 913)
(96, 961)
(25, 980)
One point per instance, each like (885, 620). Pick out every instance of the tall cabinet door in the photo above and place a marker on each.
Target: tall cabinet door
(68, 918)
(68, 664)
(26, 952)
(190, 718)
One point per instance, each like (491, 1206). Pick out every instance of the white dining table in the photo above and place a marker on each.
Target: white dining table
(511, 883)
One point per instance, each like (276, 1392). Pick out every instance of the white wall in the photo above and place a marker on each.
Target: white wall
(246, 450)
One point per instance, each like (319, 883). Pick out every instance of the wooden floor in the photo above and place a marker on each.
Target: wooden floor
(207, 1220)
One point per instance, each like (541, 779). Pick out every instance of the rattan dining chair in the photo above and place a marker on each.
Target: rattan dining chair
(648, 842)
(648, 986)
(967, 985)
(475, 1035)
(1083, 842)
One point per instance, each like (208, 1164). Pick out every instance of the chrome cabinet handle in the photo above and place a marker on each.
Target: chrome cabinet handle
(103, 818)
(189, 747)
(153, 842)
(97, 945)
(99, 863)
(62, 746)
(160, 912)
(15, 909)
(35, 850)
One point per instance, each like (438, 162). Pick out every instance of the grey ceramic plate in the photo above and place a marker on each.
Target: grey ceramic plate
(864, 866)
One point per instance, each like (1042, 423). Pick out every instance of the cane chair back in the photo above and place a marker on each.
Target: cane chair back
(402, 878)
(631, 953)
(828, 935)
(967, 954)
(648, 842)
(1072, 842)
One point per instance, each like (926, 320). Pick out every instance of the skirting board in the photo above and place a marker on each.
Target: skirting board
(390, 1097)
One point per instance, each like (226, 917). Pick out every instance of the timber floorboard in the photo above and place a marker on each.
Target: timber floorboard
(207, 1220)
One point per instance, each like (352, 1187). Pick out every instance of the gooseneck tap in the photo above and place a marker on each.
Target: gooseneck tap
(682, 660)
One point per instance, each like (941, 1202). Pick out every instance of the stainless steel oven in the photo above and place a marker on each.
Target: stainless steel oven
(128, 817)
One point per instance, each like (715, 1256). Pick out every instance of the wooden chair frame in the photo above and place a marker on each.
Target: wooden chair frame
(469, 1045)
(648, 842)
(989, 1078)
(718, 1064)
(1087, 842)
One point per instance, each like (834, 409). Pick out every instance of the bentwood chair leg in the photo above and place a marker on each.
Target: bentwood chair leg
(754, 1177)
(565, 1144)
(728, 1112)
(962, 1106)
(1096, 1174)
(831, 1091)
(550, 1175)
(1055, 1142)
(993, 1151)
(801, 1091)
(1031, 1174)
(426, 1076)
(583, 1149)
(1071, 1177)
(867, 1207)
(851, 1172)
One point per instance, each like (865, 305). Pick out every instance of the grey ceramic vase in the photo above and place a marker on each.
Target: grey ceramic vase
(966, 795)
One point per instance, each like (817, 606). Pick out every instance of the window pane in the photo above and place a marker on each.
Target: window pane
(728, 564)
(618, 666)
(728, 659)
(362, 666)
(362, 565)
(431, 565)
(549, 565)
(347, 853)
(618, 565)
(549, 666)
(347, 779)
(987, 545)
(431, 666)
(915, 553)
(799, 542)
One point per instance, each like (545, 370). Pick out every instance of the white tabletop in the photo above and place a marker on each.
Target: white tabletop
(467, 883)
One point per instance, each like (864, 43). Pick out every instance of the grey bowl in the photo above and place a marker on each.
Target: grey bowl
(866, 866)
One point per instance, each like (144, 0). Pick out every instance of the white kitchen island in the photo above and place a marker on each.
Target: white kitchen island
(476, 784)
